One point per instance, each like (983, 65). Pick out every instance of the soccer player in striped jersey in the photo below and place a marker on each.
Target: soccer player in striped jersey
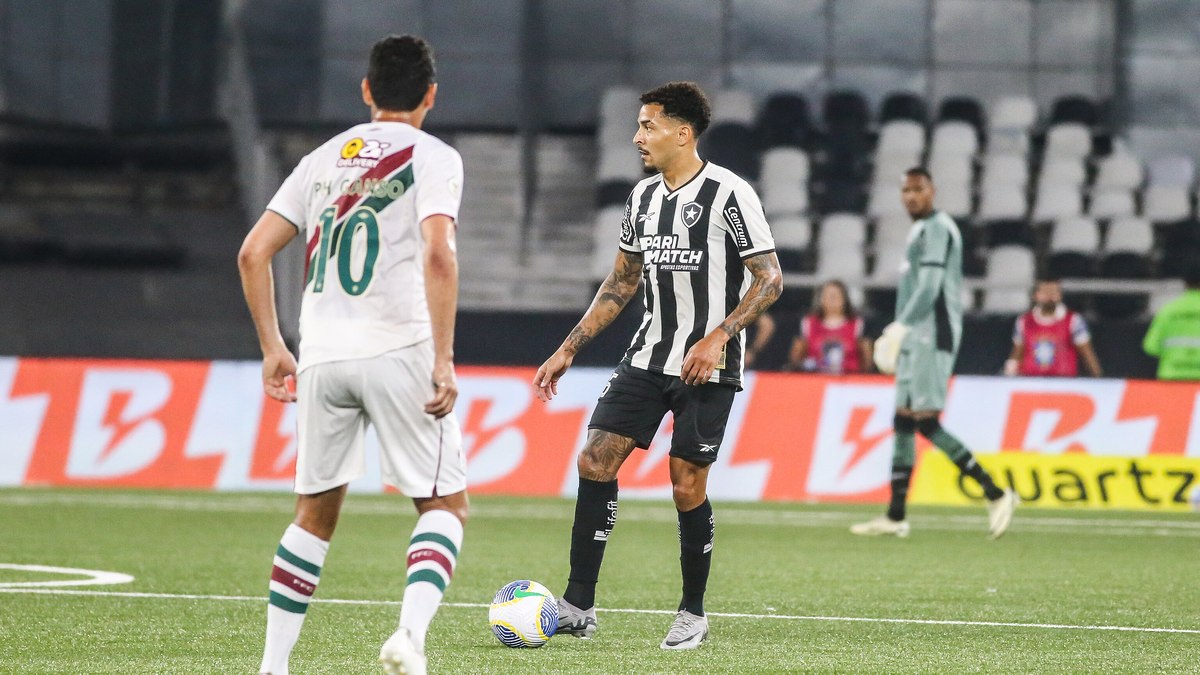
(377, 204)
(694, 234)
(920, 346)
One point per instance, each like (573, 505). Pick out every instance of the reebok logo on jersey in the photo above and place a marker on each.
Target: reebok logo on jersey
(664, 253)
(362, 153)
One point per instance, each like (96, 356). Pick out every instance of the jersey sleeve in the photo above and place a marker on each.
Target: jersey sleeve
(629, 240)
(747, 225)
(936, 244)
(806, 327)
(858, 328)
(289, 201)
(1079, 330)
(439, 183)
(1018, 334)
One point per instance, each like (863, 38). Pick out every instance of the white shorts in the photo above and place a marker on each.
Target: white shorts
(420, 456)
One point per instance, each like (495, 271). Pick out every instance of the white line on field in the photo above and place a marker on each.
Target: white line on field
(729, 615)
(632, 511)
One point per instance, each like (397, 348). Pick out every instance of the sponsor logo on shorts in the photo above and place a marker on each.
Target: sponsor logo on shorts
(709, 448)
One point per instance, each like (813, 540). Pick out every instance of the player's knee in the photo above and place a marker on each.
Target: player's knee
(929, 426)
(592, 466)
(904, 424)
(687, 494)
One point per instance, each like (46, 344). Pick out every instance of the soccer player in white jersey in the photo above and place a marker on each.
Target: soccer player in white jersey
(377, 205)
(696, 234)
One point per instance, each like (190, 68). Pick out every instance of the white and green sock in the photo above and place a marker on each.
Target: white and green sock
(432, 555)
(294, 577)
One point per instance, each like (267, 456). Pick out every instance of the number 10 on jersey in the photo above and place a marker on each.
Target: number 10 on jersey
(342, 238)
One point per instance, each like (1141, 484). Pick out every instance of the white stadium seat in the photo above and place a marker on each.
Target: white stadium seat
(843, 230)
(884, 199)
(949, 168)
(733, 105)
(1057, 201)
(954, 197)
(1005, 169)
(1078, 235)
(1069, 139)
(783, 181)
(1129, 235)
(888, 260)
(1166, 203)
(1010, 275)
(1063, 171)
(1112, 203)
(1012, 113)
(901, 137)
(791, 232)
(954, 138)
(1000, 201)
(606, 232)
(1119, 170)
(1172, 172)
(892, 231)
(843, 262)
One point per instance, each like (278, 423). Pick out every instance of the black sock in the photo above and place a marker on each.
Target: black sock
(696, 530)
(970, 467)
(901, 476)
(595, 515)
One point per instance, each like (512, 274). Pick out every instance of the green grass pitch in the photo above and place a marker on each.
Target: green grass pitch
(791, 590)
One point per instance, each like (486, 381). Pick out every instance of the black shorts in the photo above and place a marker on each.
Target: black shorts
(634, 402)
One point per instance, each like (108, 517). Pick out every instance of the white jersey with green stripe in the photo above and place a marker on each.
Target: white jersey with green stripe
(359, 201)
(929, 295)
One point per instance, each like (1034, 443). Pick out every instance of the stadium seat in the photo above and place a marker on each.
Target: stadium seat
(613, 192)
(954, 137)
(843, 262)
(1127, 249)
(1010, 275)
(843, 229)
(891, 231)
(1181, 242)
(999, 201)
(784, 120)
(1119, 170)
(1008, 142)
(784, 181)
(22, 237)
(734, 146)
(1054, 202)
(888, 261)
(889, 169)
(901, 137)
(605, 233)
(963, 109)
(1005, 169)
(1009, 231)
(793, 238)
(903, 105)
(947, 168)
(733, 105)
(1062, 170)
(617, 163)
(1112, 203)
(1166, 204)
(954, 197)
(884, 199)
(104, 240)
(1077, 109)
(846, 109)
(1172, 172)
(1069, 139)
(839, 195)
(1074, 244)
(1012, 113)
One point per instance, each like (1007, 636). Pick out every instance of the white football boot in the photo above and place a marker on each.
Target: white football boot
(580, 623)
(400, 656)
(1000, 513)
(687, 632)
(881, 526)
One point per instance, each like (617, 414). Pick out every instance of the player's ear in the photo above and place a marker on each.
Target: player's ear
(684, 134)
(366, 94)
(430, 95)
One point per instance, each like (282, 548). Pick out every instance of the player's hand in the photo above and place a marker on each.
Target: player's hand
(445, 390)
(701, 360)
(279, 375)
(887, 347)
(546, 380)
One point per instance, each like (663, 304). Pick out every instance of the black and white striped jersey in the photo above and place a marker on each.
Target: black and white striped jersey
(693, 241)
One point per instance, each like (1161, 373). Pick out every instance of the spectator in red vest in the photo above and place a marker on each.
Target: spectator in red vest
(1049, 339)
(831, 336)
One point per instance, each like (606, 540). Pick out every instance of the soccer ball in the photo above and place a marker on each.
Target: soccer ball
(523, 614)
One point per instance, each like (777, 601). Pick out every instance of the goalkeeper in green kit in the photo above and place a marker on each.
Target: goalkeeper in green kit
(920, 347)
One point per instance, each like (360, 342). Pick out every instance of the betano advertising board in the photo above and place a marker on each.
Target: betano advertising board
(206, 425)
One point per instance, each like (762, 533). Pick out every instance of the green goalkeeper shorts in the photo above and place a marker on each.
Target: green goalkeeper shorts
(922, 377)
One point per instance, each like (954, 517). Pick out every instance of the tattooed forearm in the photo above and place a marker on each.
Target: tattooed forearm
(612, 297)
(763, 292)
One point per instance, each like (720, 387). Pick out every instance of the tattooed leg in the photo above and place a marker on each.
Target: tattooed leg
(595, 512)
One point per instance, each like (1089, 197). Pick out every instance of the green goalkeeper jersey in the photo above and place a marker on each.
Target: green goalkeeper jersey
(929, 296)
(1174, 338)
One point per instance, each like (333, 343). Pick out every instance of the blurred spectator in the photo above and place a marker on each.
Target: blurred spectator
(1174, 334)
(763, 329)
(831, 336)
(1049, 339)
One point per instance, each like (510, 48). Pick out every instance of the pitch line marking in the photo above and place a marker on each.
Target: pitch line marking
(728, 615)
(94, 577)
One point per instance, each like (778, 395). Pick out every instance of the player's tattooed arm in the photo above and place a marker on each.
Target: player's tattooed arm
(765, 287)
(615, 292)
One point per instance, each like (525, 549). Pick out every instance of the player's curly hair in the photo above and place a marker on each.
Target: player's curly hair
(684, 101)
(400, 72)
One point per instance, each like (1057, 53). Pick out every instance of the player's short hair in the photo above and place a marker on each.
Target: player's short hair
(400, 72)
(921, 171)
(684, 101)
